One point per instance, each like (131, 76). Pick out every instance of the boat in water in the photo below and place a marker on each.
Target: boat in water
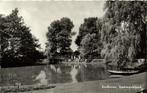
(117, 72)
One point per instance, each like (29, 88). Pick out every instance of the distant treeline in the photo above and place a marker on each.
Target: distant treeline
(118, 36)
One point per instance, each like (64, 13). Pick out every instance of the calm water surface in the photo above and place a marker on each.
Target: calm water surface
(52, 74)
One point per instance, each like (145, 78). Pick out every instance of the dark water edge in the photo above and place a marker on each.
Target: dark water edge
(53, 74)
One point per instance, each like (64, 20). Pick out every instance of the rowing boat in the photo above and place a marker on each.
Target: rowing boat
(116, 72)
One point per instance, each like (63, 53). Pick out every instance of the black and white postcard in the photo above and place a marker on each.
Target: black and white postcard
(73, 46)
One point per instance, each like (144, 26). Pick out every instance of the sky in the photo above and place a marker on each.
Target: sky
(38, 15)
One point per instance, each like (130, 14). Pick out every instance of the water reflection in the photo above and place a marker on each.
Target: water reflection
(72, 73)
(52, 74)
(41, 78)
(55, 68)
(88, 72)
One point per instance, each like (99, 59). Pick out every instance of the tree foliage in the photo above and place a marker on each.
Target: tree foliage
(124, 31)
(59, 38)
(89, 26)
(88, 40)
(18, 45)
(90, 47)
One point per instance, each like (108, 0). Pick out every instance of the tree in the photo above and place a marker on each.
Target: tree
(89, 26)
(19, 46)
(90, 47)
(88, 40)
(124, 31)
(1, 38)
(59, 38)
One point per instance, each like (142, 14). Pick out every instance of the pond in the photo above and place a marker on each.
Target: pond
(53, 74)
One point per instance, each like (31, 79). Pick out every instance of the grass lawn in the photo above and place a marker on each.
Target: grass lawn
(96, 86)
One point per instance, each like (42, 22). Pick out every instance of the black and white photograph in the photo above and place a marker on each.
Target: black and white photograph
(73, 46)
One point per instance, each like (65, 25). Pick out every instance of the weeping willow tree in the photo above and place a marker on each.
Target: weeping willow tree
(124, 31)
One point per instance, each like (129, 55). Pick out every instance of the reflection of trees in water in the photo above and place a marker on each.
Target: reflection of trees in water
(56, 69)
(42, 78)
(74, 73)
(92, 72)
